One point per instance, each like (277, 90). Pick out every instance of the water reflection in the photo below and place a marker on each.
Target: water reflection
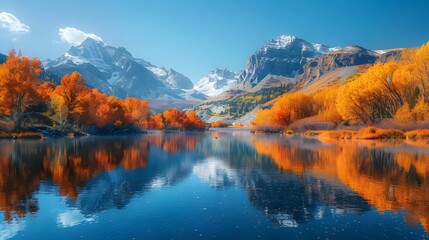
(80, 166)
(290, 180)
(388, 175)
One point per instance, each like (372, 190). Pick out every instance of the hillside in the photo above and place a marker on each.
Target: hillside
(288, 64)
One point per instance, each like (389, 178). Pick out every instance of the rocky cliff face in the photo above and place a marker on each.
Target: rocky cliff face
(284, 55)
(391, 54)
(344, 57)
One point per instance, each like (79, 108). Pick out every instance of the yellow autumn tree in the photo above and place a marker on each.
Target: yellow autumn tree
(325, 103)
(420, 111)
(404, 115)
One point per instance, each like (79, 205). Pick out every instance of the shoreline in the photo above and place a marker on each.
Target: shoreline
(364, 133)
(41, 133)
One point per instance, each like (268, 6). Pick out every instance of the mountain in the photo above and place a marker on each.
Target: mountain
(286, 64)
(2, 58)
(343, 57)
(216, 82)
(178, 80)
(116, 72)
(284, 55)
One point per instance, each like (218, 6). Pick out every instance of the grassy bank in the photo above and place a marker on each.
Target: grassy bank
(24, 135)
(369, 133)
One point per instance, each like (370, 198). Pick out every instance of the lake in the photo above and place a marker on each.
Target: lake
(226, 184)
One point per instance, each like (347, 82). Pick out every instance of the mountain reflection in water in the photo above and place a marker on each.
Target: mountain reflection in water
(290, 180)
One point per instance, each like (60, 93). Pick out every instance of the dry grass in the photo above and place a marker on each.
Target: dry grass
(378, 133)
(289, 132)
(363, 133)
(335, 134)
(26, 135)
(418, 134)
(311, 123)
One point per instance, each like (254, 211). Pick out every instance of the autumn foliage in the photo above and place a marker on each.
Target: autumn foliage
(18, 86)
(397, 90)
(72, 105)
(175, 119)
(288, 108)
(219, 124)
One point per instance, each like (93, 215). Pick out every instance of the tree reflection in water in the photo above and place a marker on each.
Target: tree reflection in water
(388, 175)
(292, 180)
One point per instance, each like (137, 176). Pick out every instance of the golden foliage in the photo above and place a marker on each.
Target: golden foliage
(219, 124)
(401, 182)
(288, 108)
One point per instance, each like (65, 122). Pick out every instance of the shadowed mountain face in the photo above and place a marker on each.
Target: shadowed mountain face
(116, 72)
(284, 55)
(2, 58)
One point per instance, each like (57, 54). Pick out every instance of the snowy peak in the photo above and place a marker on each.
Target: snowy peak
(90, 51)
(224, 73)
(284, 55)
(356, 49)
(178, 80)
(280, 42)
(116, 72)
(284, 42)
(216, 82)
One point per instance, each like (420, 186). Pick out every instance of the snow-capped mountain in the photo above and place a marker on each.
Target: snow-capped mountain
(216, 82)
(178, 80)
(115, 71)
(284, 55)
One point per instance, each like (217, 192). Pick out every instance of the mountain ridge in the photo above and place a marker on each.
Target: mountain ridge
(283, 55)
(216, 82)
(116, 72)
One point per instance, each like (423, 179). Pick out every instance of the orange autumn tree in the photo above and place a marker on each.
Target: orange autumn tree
(137, 110)
(325, 103)
(219, 124)
(104, 115)
(72, 87)
(18, 86)
(264, 121)
(156, 121)
(174, 118)
(288, 108)
(192, 121)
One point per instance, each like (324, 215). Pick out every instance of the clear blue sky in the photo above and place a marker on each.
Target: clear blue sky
(196, 36)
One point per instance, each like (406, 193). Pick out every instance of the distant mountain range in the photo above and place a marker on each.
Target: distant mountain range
(287, 64)
(283, 61)
(116, 72)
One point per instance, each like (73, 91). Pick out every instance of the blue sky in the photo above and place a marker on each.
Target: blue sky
(196, 36)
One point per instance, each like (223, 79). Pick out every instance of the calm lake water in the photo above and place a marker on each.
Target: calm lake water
(213, 185)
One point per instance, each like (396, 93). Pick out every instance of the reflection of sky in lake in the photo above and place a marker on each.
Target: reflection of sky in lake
(207, 185)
